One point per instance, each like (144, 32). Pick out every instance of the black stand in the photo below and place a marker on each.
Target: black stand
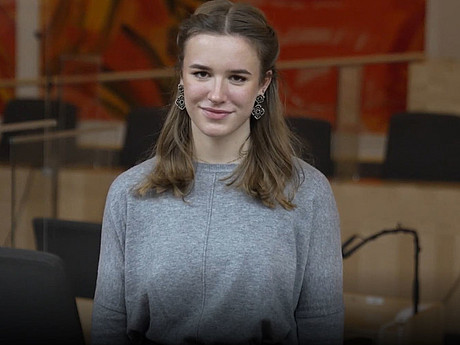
(347, 251)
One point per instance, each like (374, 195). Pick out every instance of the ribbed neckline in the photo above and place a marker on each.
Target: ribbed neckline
(207, 167)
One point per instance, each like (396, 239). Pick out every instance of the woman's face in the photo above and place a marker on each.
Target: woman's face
(221, 78)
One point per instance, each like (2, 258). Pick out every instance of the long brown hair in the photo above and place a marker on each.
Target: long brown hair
(267, 168)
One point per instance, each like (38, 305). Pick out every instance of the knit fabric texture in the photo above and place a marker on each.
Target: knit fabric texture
(218, 267)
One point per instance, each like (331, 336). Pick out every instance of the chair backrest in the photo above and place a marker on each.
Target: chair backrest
(316, 139)
(31, 109)
(77, 244)
(36, 302)
(423, 146)
(143, 126)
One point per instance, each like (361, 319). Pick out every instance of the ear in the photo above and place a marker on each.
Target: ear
(266, 82)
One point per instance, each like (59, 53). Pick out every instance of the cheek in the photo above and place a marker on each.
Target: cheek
(243, 97)
(194, 93)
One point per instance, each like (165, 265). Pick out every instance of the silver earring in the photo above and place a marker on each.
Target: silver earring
(258, 111)
(180, 100)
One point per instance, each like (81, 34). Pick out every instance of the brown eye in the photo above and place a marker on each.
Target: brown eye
(201, 74)
(238, 78)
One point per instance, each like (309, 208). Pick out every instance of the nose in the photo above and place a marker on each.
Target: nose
(217, 93)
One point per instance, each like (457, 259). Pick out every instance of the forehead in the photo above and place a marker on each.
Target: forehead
(231, 51)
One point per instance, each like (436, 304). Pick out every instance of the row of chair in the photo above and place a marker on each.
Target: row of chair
(420, 146)
(39, 288)
(143, 127)
(423, 146)
(37, 303)
(77, 243)
(30, 109)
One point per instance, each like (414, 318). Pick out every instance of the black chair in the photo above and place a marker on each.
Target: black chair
(143, 126)
(316, 139)
(423, 146)
(36, 302)
(29, 109)
(77, 244)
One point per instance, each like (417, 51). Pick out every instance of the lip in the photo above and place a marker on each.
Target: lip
(215, 114)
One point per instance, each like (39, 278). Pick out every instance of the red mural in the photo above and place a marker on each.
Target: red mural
(336, 28)
(126, 35)
(121, 35)
(7, 46)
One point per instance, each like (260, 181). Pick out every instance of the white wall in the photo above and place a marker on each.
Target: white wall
(442, 29)
(27, 45)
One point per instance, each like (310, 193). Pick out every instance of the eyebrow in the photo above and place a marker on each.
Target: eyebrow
(205, 68)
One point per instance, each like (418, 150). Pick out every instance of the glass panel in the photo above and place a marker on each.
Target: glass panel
(53, 176)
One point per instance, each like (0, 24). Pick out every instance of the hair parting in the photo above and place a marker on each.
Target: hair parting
(268, 171)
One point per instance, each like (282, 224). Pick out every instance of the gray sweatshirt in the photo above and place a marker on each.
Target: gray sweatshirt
(219, 267)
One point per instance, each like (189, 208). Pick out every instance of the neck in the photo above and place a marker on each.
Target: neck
(219, 150)
(236, 160)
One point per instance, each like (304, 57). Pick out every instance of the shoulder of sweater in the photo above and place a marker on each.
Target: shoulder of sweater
(312, 181)
(132, 177)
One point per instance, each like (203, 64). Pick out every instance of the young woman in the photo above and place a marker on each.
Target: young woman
(224, 236)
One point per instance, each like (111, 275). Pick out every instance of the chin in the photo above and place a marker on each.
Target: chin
(214, 132)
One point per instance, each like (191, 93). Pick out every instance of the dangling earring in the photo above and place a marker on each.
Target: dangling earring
(180, 100)
(258, 111)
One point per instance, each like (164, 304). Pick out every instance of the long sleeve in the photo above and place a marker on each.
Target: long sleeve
(220, 267)
(109, 324)
(320, 314)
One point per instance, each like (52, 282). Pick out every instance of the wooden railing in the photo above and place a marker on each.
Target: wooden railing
(168, 72)
(348, 124)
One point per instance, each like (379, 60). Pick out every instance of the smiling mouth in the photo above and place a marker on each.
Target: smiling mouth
(215, 114)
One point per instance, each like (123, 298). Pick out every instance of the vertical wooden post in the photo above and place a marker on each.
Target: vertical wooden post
(27, 46)
(346, 136)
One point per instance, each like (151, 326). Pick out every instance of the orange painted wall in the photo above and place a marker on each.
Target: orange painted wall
(7, 46)
(134, 35)
(334, 28)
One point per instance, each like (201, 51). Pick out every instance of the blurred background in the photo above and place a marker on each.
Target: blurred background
(371, 87)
